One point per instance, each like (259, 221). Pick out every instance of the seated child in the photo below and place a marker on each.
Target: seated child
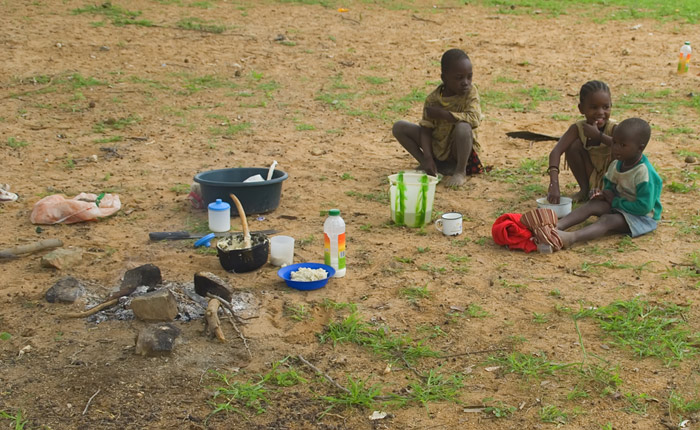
(445, 139)
(629, 202)
(586, 144)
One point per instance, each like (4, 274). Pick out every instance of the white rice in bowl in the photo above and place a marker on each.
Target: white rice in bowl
(305, 274)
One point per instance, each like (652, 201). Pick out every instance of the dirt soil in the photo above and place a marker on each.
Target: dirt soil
(138, 110)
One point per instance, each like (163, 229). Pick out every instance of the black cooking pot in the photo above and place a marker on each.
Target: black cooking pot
(247, 259)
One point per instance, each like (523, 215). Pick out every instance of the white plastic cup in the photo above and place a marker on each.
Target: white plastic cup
(219, 216)
(281, 250)
(450, 224)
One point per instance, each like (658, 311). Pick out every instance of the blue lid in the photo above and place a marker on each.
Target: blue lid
(205, 240)
(218, 205)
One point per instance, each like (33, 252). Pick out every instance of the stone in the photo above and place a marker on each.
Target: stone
(62, 258)
(157, 340)
(159, 305)
(207, 282)
(65, 290)
(148, 275)
(690, 159)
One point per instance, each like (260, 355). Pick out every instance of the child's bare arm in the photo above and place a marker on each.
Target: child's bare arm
(592, 132)
(553, 192)
(426, 144)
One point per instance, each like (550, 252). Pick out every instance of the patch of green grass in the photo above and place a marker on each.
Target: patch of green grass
(591, 267)
(517, 287)
(347, 176)
(115, 124)
(238, 397)
(422, 249)
(380, 197)
(552, 414)
(352, 329)
(17, 419)
(681, 188)
(403, 104)
(648, 330)
(230, 129)
(506, 80)
(304, 127)
(15, 143)
(539, 318)
(415, 294)
(284, 378)
(434, 387)
(193, 84)
(499, 409)
(297, 312)
(678, 404)
(538, 94)
(180, 189)
(5, 335)
(636, 403)
(561, 117)
(359, 394)
(375, 80)
(119, 16)
(110, 139)
(529, 366)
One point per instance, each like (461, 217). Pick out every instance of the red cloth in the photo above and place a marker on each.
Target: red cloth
(509, 231)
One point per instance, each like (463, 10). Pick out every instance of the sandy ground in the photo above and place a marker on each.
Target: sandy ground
(312, 88)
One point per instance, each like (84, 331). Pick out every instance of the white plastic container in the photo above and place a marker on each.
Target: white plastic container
(562, 209)
(334, 242)
(411, 195)
(281, 250)
(684, 58)
(219, 216)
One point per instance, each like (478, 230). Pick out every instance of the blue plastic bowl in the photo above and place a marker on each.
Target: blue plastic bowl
(286, 274)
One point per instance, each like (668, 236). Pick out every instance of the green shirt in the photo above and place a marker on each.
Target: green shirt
(637, 190)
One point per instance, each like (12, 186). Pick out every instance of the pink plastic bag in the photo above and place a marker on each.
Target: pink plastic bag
(57, 208)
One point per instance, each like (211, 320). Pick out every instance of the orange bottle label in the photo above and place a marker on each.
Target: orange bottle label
(341, 250)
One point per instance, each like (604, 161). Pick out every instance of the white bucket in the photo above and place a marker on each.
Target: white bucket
(411, 195)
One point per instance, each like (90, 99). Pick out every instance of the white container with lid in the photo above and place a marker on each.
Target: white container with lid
(219, 216)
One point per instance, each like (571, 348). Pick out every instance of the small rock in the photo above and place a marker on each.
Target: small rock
(159, 305)
(317, 151)
(62, 258)
(66, 290)
(625, 51)
(104, 48)
(376, 415)
(206, 282)
(91, 104)
(157, 340)
(690, 159)
(148, 275)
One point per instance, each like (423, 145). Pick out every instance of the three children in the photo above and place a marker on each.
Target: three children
(605, 158)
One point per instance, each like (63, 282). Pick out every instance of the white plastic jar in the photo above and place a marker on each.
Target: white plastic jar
(219, 216)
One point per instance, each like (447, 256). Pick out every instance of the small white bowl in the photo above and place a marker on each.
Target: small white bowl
(562, 209)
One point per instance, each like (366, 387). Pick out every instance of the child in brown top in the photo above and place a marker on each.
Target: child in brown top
(445, 138)
(586, 144)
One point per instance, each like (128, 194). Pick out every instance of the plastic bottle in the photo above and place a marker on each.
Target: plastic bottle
(219, 216)
(684, 58)
(334, 242)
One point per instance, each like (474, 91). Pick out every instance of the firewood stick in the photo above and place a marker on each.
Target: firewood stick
(213, 323)
(31, 247)
(244, 221)
(92, 311)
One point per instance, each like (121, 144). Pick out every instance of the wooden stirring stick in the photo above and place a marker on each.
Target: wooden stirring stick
(246, 233)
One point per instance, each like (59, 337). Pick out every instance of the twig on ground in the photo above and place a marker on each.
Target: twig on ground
(228, 307)
(344, 18)
(92, 311)
(325, 375)
(417, 18)
(405, 362)
(90, 401)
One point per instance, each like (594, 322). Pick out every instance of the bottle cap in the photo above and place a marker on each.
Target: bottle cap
(687, 42)
(334, 212)
(205, 241)
(218, 205)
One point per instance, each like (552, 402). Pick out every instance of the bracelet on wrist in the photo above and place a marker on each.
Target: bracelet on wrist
(550, 168)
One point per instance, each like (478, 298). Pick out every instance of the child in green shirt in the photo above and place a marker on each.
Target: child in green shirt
(630, 199)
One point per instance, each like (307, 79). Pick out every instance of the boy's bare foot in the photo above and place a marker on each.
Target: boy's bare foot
(581, 196)
(456, 180)
(567, 238)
